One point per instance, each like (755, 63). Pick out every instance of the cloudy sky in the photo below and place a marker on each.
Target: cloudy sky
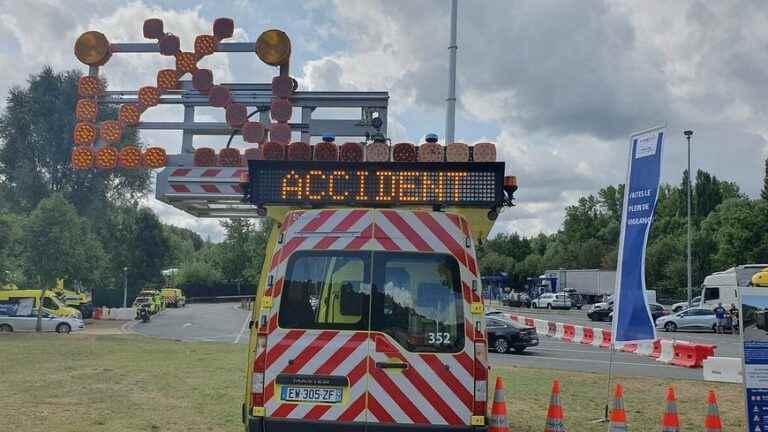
(559, 85)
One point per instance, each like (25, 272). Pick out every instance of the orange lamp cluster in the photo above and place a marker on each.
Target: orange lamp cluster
(327, 150)
(92, 48)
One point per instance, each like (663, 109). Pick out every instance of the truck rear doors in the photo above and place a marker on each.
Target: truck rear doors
(370, 324)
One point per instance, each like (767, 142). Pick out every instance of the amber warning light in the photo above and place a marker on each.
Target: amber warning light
(315, 183)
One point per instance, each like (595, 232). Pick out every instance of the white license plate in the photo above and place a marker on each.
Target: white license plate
(311, 394)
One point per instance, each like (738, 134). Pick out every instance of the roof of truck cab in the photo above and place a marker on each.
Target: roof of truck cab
(477, 219)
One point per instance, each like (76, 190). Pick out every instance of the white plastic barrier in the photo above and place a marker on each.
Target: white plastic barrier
(120, 314)
(667, 351)
(723, 369)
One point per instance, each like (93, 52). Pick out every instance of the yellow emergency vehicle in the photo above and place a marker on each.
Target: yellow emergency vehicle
(50, 302)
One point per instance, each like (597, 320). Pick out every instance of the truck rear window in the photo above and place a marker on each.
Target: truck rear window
(418, 301)
(326, 290)
(417, 297)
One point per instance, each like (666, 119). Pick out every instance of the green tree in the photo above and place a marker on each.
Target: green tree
(57, 243)
(764, 192)
(36, 141)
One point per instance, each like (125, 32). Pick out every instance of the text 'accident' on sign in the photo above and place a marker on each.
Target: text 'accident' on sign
(476, 184)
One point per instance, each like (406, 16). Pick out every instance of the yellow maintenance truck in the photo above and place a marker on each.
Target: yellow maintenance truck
(368, 312)
(81, 301)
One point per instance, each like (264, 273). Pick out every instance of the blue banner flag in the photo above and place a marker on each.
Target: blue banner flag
(632, 321)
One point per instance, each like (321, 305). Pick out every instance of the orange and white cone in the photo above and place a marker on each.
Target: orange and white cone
(555, 411)
(498, 421)
(670, 421)
(618, 417)
(712, 423)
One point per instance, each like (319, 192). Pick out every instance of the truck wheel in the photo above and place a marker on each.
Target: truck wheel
(63, 328)
(5, 328)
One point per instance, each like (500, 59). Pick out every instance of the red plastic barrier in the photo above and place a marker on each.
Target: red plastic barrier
(703, 352)
(529, 322)
(589, 336)
(607, 337)
(569, 332)
(686, 355)
(97, 313)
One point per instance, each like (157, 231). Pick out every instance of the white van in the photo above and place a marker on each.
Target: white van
(723, 287)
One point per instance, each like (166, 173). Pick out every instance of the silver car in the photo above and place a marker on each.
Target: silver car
(50, 323)
(689, 319)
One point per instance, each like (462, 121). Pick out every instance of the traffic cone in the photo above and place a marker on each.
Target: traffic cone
(712, 423)
(669, 421)
(498, 421)
(555, 412)
(618, 417)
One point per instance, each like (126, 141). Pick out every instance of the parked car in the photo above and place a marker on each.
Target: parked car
(552, 301)
(601, 314)
(504, 335)
(577, 300)
(49, 321)
(689, 319)
(677, 307)
(657, 311)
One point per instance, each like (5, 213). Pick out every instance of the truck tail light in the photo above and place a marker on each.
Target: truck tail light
(257, 378)
(481, 378)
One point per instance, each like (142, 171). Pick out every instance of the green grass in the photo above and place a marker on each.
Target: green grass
(133, 383)
(119, 383)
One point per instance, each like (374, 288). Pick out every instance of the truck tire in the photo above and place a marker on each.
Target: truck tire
(5, 328)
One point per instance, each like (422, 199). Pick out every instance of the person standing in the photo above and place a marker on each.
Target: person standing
(720, 317)
(734, 313)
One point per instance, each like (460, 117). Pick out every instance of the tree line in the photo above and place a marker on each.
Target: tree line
(728, 229)
(90, 227)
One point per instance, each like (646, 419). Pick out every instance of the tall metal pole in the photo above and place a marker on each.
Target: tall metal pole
(688, 134)
(450, 112)
(125, 287)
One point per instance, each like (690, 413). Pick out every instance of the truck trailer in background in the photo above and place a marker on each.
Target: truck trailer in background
(593, 285)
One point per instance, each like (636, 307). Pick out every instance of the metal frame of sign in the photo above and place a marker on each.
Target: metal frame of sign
(258, 196)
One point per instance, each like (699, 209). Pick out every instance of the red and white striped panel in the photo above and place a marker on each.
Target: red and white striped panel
(423, 231)
(202, 181)
(435, 389)
(318, 352)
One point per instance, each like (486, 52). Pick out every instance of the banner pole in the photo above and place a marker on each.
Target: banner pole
(604, 418)
(610, 379)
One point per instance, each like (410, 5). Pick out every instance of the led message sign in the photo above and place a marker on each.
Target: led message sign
(376, 184)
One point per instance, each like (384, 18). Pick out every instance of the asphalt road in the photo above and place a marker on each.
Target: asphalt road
(224, 322)
(218, 322)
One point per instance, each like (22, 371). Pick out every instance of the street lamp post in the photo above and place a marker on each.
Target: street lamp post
(125, 287)
(688, 135)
